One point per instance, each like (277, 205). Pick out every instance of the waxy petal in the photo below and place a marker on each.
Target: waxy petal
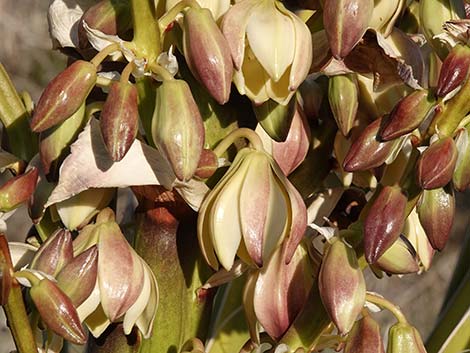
(399, 258)
(145, 321)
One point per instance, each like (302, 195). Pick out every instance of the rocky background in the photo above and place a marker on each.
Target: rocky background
(25, 51)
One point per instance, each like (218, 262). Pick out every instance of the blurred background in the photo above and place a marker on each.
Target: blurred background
(25, 51)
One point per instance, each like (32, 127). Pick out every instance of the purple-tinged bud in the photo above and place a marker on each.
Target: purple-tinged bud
(119, 119)
(343, 98)
(54, 253)
(436, 211)
(399, 259)
(436, 165)
(177, 127)
(64, 95)
(18, 190)
(454, 70)
(365, 337)
(345, 23)
(384, 222)
(208, 164)
(207, 53)
(404, 338)
(78, 278)
(311, 97)
(461, 177)
(342, 286)
(367, 151)
(407, 115)
(275, 118)
(57, 311)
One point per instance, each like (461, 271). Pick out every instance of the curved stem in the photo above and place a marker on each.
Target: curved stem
(29, 276)
(102, 55)
(160, 71)
(385, 304)
(171, 14)
(126, 73)
(249, 134)
(93, 108)
(146, 33)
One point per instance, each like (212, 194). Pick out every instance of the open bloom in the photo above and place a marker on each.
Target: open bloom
(250, 212)
(279, 52)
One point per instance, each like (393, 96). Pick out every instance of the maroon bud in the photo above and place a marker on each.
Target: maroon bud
(384, 222)
(208, 164)
(119, 119)
(407, 115)
(57, 311)
(365, 337)
(64, 95)
(436, 211)
(454, 70)
(18, 190)
(436, 165)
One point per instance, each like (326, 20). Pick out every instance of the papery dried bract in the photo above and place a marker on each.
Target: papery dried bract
(207, 53)
(343, 98)
(18, 190)
(342, 286)
(436, 165)
(365, 337)
(454, 70)
(404, 338)
(57, 311)
(64, 95)
(119, 119)
(436, 210)
(177, 127)
(384, 222)
(345, 23)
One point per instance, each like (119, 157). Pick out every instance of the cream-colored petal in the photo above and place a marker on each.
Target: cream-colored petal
(271, 36)
(21, 254)
(146, 319)
(90, 304)
(279, 91)
(253, 79)
(97, 322)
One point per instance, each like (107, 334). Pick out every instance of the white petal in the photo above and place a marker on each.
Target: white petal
(63, 17)
(146, 319)
(90, 304)
(100, 40)
(21, 254)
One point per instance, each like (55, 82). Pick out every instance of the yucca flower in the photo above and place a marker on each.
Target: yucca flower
(279, 51)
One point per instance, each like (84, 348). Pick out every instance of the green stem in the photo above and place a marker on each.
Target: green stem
(249, 134)
(146, 33)
(385, 304)
(126, 73)
(29, 276)
(171, 14)
(160, 71)
(102, 55)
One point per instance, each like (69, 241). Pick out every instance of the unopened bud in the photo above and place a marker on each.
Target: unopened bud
(399, 259)
(275, 118)
(342, 286)
(119, 119)
(64, 95)
(404, 338)
(177, 127)
(207, 53)
(5, 270)
(436, 165)
(436, 210)
(343, 98)
(384, 222)
(208, 164)
(454, 70)
(365, 337)
(18, 190)
(345, 23)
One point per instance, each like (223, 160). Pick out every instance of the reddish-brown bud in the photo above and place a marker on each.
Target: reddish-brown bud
(436, 165)
(207, 53)
(64, 95)
(119, 119)
(407, 115)
(208, 164)
(365, 337)
(384, 222)
(436, 210)
(18, 190)
(5, 270)
(57, 311)
(345, 23)
(454, 70)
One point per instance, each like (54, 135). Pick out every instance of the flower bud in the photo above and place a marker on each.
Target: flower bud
(367, 151)
(436, 165)
(461, 177)
(311, 97)
(454, 70)
(275, 118)
(365, 337)
(208, 164)
(177, 127)
(5, 270)
(342, 286)
(416, 235)
(57, 311)
(384, 222)
(407, 115)
(207, 53)
(18, 190)
(119, 119)
(78, 278)
(436, 210)
(345, 23)
(55, 253)
(404, 338)
(399, 259)
(64, 95)
(343, 98)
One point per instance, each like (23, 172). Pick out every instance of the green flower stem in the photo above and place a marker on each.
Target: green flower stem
(126, 73)
(249, 134)
(29, 276)
(102, 55)
(171, 14)
(146, 33)
(160, 71)
(385, 304)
